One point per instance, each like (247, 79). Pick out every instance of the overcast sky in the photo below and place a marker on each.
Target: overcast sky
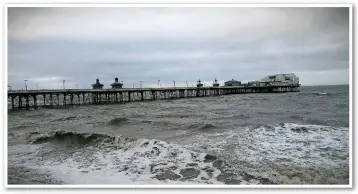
(48, 45)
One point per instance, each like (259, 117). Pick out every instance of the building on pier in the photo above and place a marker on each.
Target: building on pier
(276, 80)
(97, 85)
(281, 79)
(199, 84)
(216, 84)
(233, 83)
(258, 83)
(116, 84)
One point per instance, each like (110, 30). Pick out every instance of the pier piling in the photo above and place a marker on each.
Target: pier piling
(111, 96)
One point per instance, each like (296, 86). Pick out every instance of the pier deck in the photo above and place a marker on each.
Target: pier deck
(32, 99)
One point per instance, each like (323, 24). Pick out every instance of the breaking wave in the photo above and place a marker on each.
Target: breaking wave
(204, 127)
(126, 160)
(118, 121)
(307, 119)
(285, 153)
(266, 154)
(70, 137)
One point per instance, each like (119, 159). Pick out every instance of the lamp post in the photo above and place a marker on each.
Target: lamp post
(174, 83)
(140, 84)
(158, 82)
(186, 83)
(25, 84)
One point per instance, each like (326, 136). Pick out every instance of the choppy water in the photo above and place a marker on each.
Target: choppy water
(288, 138)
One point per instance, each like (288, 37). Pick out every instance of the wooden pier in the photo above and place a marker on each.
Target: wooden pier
(32, 99)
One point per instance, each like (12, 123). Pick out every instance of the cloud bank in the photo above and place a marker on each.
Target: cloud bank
(48, 45)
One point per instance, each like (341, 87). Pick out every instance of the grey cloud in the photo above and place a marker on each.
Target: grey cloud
(291, 40)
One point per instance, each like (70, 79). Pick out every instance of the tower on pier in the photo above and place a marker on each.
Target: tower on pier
(216, 84)
(199, 84)
(97, 85)
(116, 84)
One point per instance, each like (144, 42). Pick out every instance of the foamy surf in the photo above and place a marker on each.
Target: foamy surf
(104, 159)
(285, 153)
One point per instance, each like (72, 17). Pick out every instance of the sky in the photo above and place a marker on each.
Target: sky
(182, 44)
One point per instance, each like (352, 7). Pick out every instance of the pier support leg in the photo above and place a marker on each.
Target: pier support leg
(27, 102)
(20, 102)
(79, 99)
(121, 97)
(71, 98)
(35, 101)
(95, 98)
(12, 103)
(51, 100)
(153, 95)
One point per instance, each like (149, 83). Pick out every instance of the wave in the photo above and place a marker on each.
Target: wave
(203, 127)
(242, 116)
(137, 160)
(20, 127)
(293, 127)
(69, 137)
(38, 114)
(316, 93)
(118, 121)
(308, 120)
(65, 119)
(268, 150)
(121, 160)
(175, 115)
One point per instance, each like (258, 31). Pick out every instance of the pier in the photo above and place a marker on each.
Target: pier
(32, 99)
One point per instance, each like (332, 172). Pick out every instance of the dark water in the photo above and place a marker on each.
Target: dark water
(288, 138)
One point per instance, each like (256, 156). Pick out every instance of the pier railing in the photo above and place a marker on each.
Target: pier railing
(32, 99)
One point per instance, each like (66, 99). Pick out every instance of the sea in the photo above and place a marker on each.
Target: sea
(243, 139)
